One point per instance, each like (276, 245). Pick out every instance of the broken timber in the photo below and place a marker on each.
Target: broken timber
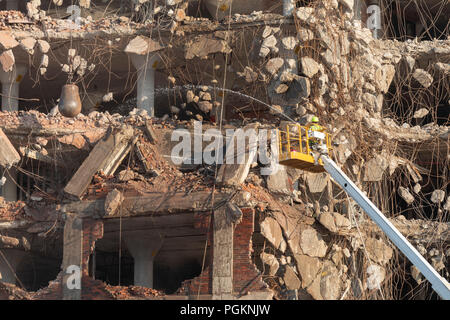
(8, 154)
(106, 156)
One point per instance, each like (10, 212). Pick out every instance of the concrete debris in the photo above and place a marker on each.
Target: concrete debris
(273, 65)
(309, 67)
(330, 282)
(421, 113)
(375, 277)
(291, 280)
(249, 75)
(308, 268)
(278, 182)
(334, 221)
(269, 44)
(271, 230)
(417, 276)
(28, 45)
(204, 46)
(375, 168)
(406, 195)
(142, 45)
(7, 60)
(423, 77)
(8, 154)
(310, 240)
(113, 201)
(316, 182)
(272, 262)
(306, 15)
(7, 41)
(438, 196)
(378, 251)
(417, 188)
(312, 243)
(447, 204)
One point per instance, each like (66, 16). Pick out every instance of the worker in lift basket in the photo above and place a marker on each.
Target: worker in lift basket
(316, 143)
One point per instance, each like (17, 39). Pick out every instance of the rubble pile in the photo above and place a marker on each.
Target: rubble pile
(107, 179)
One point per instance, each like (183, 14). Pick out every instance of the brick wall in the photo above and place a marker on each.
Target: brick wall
(246, 276)
(90, 289)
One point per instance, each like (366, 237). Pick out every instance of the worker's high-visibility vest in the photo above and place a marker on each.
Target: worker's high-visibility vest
(315, 127)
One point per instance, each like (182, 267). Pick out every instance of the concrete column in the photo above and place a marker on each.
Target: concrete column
(144, 249)
(357, 10)
(288, 7)
(9, 189)
(10, 102)
(145, 65)
(13, 258)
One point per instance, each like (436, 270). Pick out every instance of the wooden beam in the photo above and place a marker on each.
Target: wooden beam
(8, 154)
(106, 156)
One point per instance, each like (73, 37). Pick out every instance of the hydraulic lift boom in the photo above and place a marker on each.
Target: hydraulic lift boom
(439, 284)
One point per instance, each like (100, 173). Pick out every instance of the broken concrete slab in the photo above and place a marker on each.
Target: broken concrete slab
(312, 243)
(271, 230)
(233, 173)
(7, 60)
(278, 183)
(8, 154)
(309, 268)
(334, 221)
(142, 45)
(330, 282)
(106, 156)
(271, 261)
(375, 168)
(291, 280)
(203, 46)
(7, 41)
(316, 182)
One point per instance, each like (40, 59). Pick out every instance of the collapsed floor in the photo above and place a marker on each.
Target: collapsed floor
(102, 190)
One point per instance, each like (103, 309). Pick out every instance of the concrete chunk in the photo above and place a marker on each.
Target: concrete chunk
(423, 77)
(290, 279)
(7, 41)
(7, 60)
(8, 154)
(438, 196)
(309, 66)
(406, 195)
(312, 243)
(271, 230)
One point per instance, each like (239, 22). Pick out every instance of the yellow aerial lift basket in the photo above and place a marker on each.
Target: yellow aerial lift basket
(295, 147)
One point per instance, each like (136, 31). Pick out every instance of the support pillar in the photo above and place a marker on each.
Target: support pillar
(145, 66)
(10, 102)
(288, 7)
(144, 249)
(222, 279)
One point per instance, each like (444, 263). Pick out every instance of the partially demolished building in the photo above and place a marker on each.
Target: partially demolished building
(102, 206)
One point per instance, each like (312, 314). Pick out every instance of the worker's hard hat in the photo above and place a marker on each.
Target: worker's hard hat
(315, 119)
